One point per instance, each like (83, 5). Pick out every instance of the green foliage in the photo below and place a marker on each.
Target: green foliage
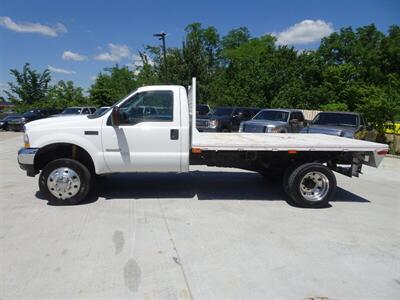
(112, 85)
(334, 106)
(30, 86)
(65, 94)
(235, 38)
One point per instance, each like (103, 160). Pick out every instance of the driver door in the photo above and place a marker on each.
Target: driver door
(148, 138)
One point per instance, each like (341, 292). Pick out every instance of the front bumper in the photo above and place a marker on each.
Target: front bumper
(26, 157)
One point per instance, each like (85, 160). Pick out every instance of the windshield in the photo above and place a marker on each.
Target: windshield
(71, 111)
(11, 118)
(272, 115)
(202, 109)
(94, 116)
(336, 119)
(222, 111)
(30, 113)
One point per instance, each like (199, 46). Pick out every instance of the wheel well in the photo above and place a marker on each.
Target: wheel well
(62, 150)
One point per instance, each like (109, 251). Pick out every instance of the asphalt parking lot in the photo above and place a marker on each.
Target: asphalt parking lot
(206, 235)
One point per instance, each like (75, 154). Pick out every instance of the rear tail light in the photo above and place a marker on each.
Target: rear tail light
(383, 152)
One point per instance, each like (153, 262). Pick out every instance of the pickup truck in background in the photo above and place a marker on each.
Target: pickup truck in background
(345, 124)
(69, 152)
(275, 121)
(225, 119)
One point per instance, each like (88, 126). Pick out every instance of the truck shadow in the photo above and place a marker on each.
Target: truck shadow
(205, 185)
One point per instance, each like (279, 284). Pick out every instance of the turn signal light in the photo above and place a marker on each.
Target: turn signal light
(196, 150)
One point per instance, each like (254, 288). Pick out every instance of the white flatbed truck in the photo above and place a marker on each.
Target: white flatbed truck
(154, 130)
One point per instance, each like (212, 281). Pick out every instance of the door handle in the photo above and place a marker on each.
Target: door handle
(174, 134)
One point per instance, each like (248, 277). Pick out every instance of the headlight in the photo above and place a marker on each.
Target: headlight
(213, 123)
(1, 123)
(241, 127)
(272, 129)
(26, 141)
(23, 120)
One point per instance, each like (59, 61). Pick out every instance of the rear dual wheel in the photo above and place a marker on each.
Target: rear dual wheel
(310, 185)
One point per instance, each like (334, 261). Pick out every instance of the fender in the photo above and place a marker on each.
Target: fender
(91, 144)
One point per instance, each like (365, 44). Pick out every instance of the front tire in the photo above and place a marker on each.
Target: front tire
(311, 185)
(65, 182)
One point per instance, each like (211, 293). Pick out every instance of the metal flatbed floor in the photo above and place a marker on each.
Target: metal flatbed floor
(281, 142)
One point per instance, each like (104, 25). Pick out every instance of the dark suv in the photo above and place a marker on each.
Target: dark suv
(225, 119)
(17, 124)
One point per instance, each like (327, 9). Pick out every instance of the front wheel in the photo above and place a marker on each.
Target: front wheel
(311, 185)
(65, 181)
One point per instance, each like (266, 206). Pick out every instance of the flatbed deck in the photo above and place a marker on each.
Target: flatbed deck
(280, 142)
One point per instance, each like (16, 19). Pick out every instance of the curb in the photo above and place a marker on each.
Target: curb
(393, 156)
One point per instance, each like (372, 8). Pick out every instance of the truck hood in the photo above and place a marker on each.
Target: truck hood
(331, 130)
(264, 123)
(72, 121)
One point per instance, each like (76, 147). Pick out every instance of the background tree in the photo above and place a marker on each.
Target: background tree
(30, 86)
(112, 85)
(65, 94)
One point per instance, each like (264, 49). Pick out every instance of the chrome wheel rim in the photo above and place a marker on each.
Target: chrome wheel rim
(314, 186)
(63, 183)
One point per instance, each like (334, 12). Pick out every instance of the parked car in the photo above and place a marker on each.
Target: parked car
(17, 124)
(202, 109)
(77, 111)
(6, 119)
(346, 124)
(224, 119)
(100, 110)
(275, 120)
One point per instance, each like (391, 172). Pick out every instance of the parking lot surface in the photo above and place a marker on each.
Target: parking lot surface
(205, 235)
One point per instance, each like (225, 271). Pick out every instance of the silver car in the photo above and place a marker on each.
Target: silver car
(275, 120)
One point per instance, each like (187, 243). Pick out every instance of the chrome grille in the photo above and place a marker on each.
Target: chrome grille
(253, 128)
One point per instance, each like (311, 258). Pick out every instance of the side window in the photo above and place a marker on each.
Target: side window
(300, 116)
(293, 116)
(152, 106)
(85, 111)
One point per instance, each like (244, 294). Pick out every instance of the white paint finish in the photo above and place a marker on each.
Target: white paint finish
(233, 232)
